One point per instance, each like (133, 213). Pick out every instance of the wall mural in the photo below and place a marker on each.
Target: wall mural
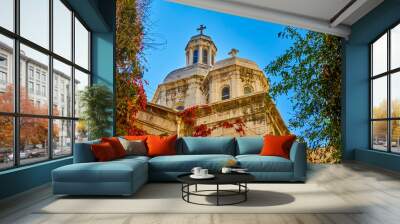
(198, 85)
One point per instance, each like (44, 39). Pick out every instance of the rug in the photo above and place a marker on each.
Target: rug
(166, 198)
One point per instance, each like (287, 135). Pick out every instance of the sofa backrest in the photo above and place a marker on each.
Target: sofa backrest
(83, 152)
(206, 145)
(249, 145)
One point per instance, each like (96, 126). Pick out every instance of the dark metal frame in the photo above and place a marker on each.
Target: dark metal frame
(242, 191)
(16, 115)
(388, 74)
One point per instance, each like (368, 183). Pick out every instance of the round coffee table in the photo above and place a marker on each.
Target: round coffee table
(238, 179)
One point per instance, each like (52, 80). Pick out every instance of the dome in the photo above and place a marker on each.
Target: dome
(185, 72)
(235, 61)
(201, 38)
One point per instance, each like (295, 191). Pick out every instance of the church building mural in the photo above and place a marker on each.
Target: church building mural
(212, 98)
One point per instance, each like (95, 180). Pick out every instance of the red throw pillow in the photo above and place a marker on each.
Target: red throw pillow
(277, 145)
(136, 137)
(116, 145)
(161, 145)
(103, 152)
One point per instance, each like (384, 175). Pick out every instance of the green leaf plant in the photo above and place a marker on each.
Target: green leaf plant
(97, 102)
(309, 74)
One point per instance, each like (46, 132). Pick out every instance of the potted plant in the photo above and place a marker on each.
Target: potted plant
(96, 102)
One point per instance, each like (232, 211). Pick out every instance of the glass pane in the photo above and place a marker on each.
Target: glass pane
(62, 89)
(34, 97)
(395, 94)
(379, 56)
(81, 131)
(62, 29)
(33, 139)
(62, 138)
(81, 45)
(379, 97)
(7, 14)
(81, 81)
(6, 142)
(6, 74)
(395, 47)
(35, 21)
(395, 138)
(379, 135)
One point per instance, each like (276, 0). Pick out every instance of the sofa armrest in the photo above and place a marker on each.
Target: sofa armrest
(299, 159)
(83, 152)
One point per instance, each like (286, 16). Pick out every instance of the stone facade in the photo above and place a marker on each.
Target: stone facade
(233, 88)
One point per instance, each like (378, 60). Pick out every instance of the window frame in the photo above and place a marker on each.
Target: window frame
(16, 114)
(388, 74)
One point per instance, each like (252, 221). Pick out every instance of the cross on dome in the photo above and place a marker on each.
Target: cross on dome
(233, 52)
(201, 28)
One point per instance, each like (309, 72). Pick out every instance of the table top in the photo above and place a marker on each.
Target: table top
(220, 178)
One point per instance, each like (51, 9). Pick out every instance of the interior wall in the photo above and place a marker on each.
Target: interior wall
(356, 97)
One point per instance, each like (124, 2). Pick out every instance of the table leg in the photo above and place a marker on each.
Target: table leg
(245, 193)
(195, 188)
(217, 194)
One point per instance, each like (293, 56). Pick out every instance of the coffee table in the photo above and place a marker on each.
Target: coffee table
(238, 179)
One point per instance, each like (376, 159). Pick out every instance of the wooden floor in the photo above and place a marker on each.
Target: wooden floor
(378, 189)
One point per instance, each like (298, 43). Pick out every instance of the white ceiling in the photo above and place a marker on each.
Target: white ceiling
(328, 16)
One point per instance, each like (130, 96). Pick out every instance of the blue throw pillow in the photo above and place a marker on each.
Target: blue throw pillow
(207, 145)
(249, 145)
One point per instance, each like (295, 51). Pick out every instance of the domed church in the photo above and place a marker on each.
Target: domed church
(231, 88)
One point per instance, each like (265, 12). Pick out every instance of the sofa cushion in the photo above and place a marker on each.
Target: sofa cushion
(257, 163)
(185, 163)
(112, 171)
(116, 145)
(103, 152)
(277, 145)
(249, 145)
(134, 147)
(161, 145)
(206, 145)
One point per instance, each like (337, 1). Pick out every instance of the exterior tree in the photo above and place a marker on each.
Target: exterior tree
(130, 94)
(34, 131)
(309, 73)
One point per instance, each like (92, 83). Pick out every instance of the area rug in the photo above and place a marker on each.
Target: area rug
(166, 198)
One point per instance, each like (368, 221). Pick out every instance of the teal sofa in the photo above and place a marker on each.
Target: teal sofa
(125, 176)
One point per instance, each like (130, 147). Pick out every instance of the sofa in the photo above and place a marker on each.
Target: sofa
(126, 175)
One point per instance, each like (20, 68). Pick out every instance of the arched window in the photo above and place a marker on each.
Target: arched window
(195, 56)
(225, 93)
(247, 90)
(205, 56)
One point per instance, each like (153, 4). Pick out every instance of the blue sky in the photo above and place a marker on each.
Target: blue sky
(174, 24)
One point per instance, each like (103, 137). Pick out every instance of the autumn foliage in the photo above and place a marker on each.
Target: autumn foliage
(130, 94)
(33, 130)
(190, 115)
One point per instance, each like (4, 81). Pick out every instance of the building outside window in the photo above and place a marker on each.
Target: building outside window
(385, 94)
(43, 90)
(3, 71)
(30, 87)
(225, 93)
(30, 72)
(34, 80)
(195, 56)
(205, 56)
(38, 89)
